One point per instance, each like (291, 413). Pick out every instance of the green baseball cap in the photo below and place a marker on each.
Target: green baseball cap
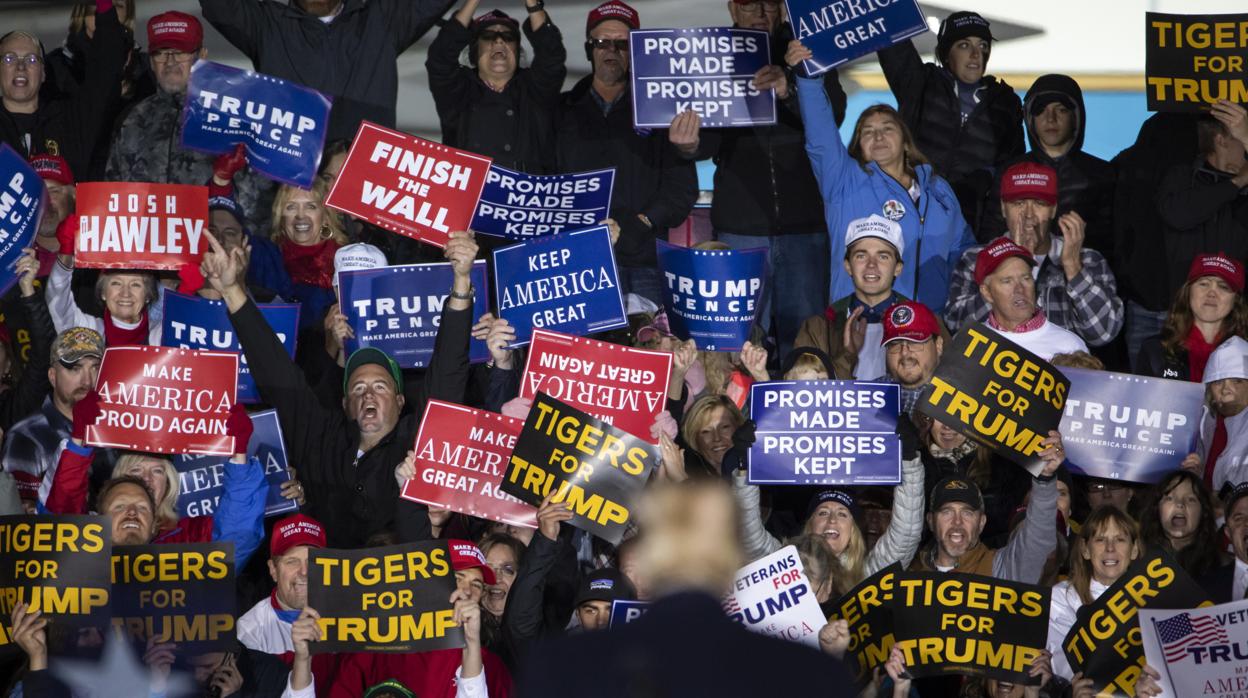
(372, 355)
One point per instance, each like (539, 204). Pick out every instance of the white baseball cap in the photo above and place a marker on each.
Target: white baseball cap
(875, 226)
(1229, 360)
(357, 256)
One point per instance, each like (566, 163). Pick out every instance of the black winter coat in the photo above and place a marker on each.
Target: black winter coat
(965, 154)
(354, 497)
(1202, 211)
(352, 58)
(650, 177)
(515, 127)
(1155, 361)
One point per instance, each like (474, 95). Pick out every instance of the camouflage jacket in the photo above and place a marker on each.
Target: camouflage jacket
(148, 148)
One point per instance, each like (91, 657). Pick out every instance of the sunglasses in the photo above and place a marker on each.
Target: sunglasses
(491, 35)
(620, 45)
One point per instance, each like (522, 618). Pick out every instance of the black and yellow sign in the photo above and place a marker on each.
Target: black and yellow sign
(969, 624)
(998, 394)
(596, 468)
(868, 608)
(184, 594)
(58, 565)
(1192, 61)
(1105, 642)
(390, 599)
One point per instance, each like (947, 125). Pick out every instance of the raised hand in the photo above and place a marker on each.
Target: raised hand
(684, 132)
(549, 516)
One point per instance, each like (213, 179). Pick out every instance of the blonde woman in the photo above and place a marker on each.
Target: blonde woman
(308, 233)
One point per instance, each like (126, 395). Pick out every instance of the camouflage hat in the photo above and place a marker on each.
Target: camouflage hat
(76, 344)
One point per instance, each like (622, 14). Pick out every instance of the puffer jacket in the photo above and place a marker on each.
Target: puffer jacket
(898, 544)
(1085, 183)
(966, 154)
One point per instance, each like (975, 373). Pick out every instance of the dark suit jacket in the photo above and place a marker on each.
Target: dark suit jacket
(1219, 583)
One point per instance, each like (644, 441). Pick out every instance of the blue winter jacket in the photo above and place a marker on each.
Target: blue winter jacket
(933, 229)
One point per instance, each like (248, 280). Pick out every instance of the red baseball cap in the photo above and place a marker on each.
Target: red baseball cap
(494, 17)
(53, 167)
(911, 321)
(1220, 265)
(1029, 180)
(995, 253)
(466, 556)
(176, 30)
(613, 9)
(294, 530)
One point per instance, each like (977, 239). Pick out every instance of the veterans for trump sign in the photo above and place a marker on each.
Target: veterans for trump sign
(520, 206)
(389, 599)
(620, 385)
(282, 124)
(1124, 427)
(461, 454)
(21, 208)
(140, 226)
(597, 469)
(773, 597)
(709, 70)
(57, 565)
(838, 31)
(711, 296)
(565, 282)
(182, 594)
(409, 185)
(825, 432)
(1198, 651)
(201, 479)
(1192, 61)
(998, 394)
(164, 400)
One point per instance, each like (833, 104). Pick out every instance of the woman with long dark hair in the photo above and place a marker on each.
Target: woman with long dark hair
(1178, 516)
(1207, 309)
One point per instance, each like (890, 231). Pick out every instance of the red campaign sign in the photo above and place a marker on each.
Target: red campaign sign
(409, 185)
(140, 226)
(165, 400)
(620, 385)
(461, 457)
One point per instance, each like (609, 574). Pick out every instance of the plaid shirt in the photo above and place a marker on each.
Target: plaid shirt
(1087, 305)
(33, 445)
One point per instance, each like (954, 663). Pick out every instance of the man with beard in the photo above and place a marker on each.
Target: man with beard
(1230, 582)
(346, 49)
(912, 347)
(1072, 284)
(148, 147)
(655, 188)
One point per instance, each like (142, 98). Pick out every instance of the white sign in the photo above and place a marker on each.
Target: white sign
(1198, 651)
(772, 596)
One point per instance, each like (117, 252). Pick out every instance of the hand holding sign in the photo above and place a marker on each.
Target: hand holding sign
(29, 631)
(834, 638)
(796, 53)
(772, 77)
(684, 132)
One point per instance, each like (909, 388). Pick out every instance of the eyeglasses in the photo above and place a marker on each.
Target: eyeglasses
(758, 8)
(620, 45)
(169, 55)
(30, 59)
(490, 36)
(505, 569)
(1099, 488)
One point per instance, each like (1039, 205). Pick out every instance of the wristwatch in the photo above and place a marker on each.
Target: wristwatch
(536, 7)
(464, 296)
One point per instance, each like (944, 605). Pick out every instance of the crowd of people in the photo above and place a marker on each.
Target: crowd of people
(963, 204)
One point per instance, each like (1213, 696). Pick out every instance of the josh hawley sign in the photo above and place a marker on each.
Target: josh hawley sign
(461, 454)
(21, 208)
(1126, 427)
(825, 432)
(191, 322)
(997, 393)
(201, 479)
(620, 385)
(708, 70)
(868, 609)
(1198, 652)
(165, 400)
(59, 566)
(597, 469)
(773, 597)
(282, 124)
(520, 206)
(838, 31)
(182, 594)
(398, 309)
(1105, 643)
(391, 599)
(711, 296)
(140, 226)
(565, 282)
(408, 185)
(1192, 61)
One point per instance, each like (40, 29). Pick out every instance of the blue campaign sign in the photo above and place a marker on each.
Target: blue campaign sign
(1125, 427)
(708, 70)
(283, 124)
(625, 612)
(711, 296)
(565, 282)
(825, 433)
(191, 322)
(837, 32)
(398, 309)
(201, 479)
(520, 206)
(22, 196)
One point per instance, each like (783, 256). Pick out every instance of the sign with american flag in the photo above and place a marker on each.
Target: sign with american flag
(1198, 651)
